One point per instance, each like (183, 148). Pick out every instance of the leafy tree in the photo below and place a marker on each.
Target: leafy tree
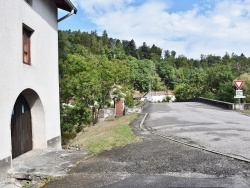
(141, 74)
(167, 73)
(144, 51)
(90, 66)
(132, 48)
(129, 47)
(192, 84)
(105, 38)
(219, 81)
(226, 92)
(129, 101)
(246, 86)
(64, 44)
(78, 81)
(173, 53)
(74, 116)
(167, 54)
(125, 45)
(181, 61)
(155, 53)
(157, 84)
(183, 92)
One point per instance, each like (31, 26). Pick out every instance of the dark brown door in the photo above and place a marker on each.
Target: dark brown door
(21, 128)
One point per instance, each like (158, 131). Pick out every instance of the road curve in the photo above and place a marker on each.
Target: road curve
(201, 125)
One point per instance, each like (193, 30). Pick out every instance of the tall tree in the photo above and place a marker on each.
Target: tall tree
(155, 53)
(78, 82)
(132, 48)
(105, 38)
(173, 54)
(144, 51)
(167, 54)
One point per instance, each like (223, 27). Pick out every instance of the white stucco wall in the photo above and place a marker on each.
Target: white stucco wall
(155, 98)
(148, 96)
(41, 76)
(158, 98)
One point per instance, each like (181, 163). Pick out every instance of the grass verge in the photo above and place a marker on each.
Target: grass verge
(244, 111)
(106, 135)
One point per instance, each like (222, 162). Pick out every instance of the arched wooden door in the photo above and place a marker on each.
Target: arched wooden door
(21, 128)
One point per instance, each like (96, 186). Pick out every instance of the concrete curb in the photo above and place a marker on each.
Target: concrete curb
(143, 119)
(239, 158)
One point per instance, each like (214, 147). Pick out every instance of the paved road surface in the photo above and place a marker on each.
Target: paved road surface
(199, 124)
(159, 163)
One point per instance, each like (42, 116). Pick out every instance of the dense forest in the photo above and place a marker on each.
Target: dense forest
(92, 67)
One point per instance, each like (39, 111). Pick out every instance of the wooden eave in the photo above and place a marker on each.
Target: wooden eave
(65, 5)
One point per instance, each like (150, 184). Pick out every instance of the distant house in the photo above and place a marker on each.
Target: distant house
(29, 94)
(138, 96)
(159, 96)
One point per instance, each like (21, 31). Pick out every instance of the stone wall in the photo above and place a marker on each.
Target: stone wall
(137, 109)
(105, 113)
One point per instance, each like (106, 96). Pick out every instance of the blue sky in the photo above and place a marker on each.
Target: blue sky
(190, 27)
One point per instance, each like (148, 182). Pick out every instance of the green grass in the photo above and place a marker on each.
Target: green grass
(117, 136)
(244, 111)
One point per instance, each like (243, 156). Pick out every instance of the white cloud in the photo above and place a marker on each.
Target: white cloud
(212, 28)
(97, 8)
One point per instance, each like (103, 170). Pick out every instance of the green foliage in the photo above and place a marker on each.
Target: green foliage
(118, 94)
(184, 92)
(130, 48)
(91, 65)
(155, 53)
(79, 80)
(246, 86)
(142, 75)
(226, 92)
(79, 129)
(167, 72)
(220, 81)
(116, 137)
(180, 92)
(144, 51)
(26, 185)
(129, 101)
(74, 115)
(168, 98)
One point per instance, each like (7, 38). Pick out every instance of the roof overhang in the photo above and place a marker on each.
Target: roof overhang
(65, 5)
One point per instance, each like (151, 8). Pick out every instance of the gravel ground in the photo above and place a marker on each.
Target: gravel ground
(156, 162)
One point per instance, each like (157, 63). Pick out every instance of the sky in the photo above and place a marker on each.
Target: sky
(189, 27)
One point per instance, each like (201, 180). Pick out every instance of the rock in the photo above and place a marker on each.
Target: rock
(20, 176)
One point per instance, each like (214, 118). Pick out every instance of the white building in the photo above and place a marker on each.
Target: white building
(29, 94)
(159, 96)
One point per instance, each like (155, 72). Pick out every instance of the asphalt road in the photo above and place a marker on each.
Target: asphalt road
(158, 162)
(216, 129)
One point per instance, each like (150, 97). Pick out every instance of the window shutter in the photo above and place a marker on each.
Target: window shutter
(26, 46)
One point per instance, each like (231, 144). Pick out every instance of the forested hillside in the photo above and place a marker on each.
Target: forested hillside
(91, 66)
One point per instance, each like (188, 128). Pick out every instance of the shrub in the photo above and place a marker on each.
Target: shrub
(75, 115)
